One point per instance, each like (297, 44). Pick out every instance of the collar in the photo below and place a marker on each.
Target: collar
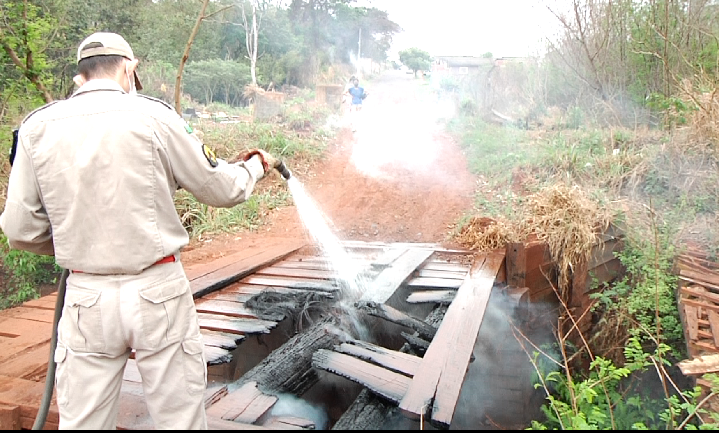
(99, 84)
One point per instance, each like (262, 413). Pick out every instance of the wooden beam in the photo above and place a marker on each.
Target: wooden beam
(379, 380)
(291, 283)
(433, 296)
(9, 417)
(289, 423)
(435, 283)
(516, 258)
(216, 355)
(237, 266)
(234, 325)
(444, 365)
(387, 282)
(395, 316)
(455, 368)
(288, 369)
(221, 339)
(418, 344)
(225, 308)
(700, 365)
(245, 405)
(391, 359)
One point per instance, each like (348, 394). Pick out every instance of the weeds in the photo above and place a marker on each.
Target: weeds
(24, 273)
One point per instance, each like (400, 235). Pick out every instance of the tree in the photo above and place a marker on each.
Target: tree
(415, 59)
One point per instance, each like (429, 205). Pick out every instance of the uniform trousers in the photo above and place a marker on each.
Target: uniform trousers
(104, 318)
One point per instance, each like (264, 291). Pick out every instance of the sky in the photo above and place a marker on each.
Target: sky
(506, 28)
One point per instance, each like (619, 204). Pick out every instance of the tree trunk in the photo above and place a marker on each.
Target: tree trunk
(185, 56)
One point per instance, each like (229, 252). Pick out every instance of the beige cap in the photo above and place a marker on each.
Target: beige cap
(106, 44)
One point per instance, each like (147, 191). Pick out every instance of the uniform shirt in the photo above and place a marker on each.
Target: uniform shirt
(356, 93)
(94, 178)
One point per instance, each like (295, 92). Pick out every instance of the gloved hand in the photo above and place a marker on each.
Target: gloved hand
(268, 161)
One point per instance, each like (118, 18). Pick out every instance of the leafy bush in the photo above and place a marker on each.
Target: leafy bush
(24, 272)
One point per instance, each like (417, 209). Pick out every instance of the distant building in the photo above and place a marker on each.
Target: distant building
(461, 65)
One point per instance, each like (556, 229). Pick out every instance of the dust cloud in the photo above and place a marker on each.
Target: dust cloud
(398, 128)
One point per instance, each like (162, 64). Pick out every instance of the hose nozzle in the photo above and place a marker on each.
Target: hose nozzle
(283, 170)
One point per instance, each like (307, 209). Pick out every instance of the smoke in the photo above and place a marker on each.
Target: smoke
(400, 134)
(291, 406)
(498, 390)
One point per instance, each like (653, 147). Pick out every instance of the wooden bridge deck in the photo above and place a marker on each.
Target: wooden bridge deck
(222, 288)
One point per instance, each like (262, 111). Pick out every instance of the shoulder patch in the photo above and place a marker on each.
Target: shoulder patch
(39, 109)
(156, 100)
(210, 155)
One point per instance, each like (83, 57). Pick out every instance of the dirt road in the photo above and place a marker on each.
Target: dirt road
(399, 178)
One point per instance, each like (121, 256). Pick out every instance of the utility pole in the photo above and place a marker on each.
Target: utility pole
(359, 50)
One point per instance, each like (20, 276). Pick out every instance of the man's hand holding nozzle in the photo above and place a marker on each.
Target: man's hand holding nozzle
(268, 161)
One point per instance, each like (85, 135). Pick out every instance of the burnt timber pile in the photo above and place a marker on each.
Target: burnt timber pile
(434, 341)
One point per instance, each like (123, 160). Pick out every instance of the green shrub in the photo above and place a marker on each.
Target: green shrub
(24, 273)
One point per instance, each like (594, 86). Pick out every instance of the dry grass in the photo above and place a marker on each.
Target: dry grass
(487, 234)
(564, 217)
(569, 222)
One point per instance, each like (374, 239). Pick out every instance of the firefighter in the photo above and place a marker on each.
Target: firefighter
(92, 183)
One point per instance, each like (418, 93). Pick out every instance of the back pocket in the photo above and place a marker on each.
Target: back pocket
(165, 311)
(81, 326)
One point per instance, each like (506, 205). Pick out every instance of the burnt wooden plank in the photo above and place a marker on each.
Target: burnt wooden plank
(289, 423)
(239, 265)
(294, 264)
(224, 308)
(700, 365)
(288, 369)
(395, 316)
(435, 296)
(221, 295)
(291, 283)
(221, 424)
(391, 359)
(474, 304)
(444, 266)
(444, 365)
(430, 273)
(216, 355)
(276, 271)
(388, 257)
(245, 405)
(221, 339)
(418, 344)
(369, 411)
(234, 325)
(384, 286)
(444, 283)
(379, 380)
(213, 394)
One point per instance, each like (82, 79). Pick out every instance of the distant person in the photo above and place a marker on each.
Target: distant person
(358, 95)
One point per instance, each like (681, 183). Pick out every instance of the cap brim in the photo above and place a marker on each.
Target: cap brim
(138, 84)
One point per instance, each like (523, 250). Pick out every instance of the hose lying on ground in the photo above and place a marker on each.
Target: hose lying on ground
(50, 379)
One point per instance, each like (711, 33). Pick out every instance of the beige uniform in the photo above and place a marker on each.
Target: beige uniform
(93, 183)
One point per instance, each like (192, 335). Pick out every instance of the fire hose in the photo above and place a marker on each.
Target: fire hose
(51, 366)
